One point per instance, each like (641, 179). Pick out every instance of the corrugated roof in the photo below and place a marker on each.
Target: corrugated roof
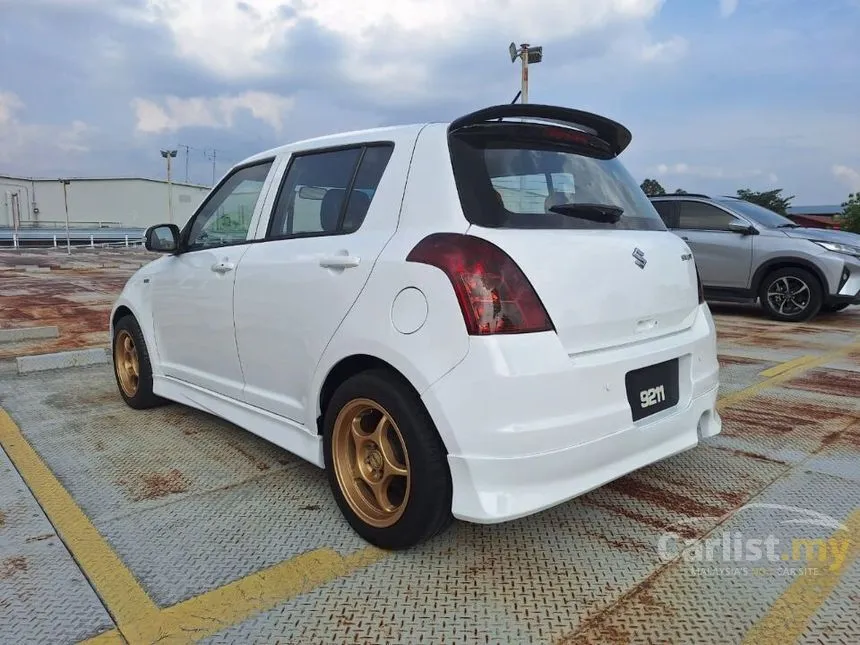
(127, 178)
(826, 209)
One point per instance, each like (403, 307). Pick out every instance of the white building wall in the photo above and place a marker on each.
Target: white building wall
(116, 202)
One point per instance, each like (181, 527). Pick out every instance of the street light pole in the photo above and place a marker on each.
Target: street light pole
(66, 203)
(169, 155)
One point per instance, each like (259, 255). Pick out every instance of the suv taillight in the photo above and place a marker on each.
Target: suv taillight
(494, 294)
(701, 288)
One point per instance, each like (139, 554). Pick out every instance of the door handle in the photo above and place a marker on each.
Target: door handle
(686, 239)
(340, 261)
(223, 267)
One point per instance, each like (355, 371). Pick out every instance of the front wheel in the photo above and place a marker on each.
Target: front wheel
(386, 465)
(791, 295)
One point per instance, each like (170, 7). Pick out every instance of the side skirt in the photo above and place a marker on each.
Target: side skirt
(275, 429)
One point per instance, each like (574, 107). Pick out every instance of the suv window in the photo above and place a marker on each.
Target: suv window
(225, 216)
(313, 195)
(509, 175)
(705, 217)
(667, 213)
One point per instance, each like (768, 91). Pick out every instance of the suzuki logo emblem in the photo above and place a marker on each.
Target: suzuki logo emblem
(639, 258)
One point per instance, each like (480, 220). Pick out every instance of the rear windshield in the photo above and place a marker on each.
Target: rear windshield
(509, 175)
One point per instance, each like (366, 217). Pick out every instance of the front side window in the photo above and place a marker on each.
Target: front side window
(704, 217)
(226, 216)
(328, 192)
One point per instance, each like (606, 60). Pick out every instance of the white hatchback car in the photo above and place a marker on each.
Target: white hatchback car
(478, 319)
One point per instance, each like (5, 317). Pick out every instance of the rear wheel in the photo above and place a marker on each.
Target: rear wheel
(131, 365)
(791, 295)
(386, 464)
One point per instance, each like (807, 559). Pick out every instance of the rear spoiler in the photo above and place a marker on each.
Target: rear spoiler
(616, 135)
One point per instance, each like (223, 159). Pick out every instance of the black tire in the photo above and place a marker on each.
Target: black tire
(427, 510)
(142, 397)
(793, 276)
(832, 309)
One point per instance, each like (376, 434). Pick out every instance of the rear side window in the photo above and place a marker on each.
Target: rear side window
(666, 212)
(329, 191)
(510, 176)
(704, 217)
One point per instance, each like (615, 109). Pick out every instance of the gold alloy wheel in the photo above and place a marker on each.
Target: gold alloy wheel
(370, 462)
(127, 364)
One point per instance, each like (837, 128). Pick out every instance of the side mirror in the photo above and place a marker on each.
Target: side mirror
(743, 229)
(162, 238)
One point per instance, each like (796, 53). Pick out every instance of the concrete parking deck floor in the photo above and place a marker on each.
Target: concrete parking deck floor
(171, 526)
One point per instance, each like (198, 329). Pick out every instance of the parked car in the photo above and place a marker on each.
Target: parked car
(747, 253)
(478, 319)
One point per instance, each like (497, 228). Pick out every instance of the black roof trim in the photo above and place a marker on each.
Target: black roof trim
(679, 195)
(616, 135)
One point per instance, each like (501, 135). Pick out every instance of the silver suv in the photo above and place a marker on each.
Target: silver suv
(745, 252)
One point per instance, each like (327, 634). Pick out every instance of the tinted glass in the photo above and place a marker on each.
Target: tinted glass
(665, 210)
(511, 181)
(698, 215)
(313, 195)
(226, 216)
(373, 165)
(758, 214)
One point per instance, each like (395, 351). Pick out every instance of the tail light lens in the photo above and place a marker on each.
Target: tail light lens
(494, 294)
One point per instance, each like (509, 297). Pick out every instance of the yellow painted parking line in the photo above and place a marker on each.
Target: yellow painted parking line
(211, 612)
(785, 375)
(118, 588)
(787, 365)
(788, 618)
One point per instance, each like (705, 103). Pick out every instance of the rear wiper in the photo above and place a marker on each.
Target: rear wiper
(593, 212)
(789, 226)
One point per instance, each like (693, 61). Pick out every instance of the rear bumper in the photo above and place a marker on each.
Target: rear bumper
(528, 427)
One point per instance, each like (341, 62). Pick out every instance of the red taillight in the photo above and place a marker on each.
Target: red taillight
(701, 288)
(494, 294)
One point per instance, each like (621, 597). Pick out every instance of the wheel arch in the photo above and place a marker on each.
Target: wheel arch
(346, 368)
(788, 262)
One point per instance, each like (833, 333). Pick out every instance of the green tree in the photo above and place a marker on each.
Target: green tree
(770, 199)
(850, 219)
(681, 191)
(652, 188)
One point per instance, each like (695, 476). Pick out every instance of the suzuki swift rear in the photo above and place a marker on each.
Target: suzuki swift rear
(479, 319)
(590, 350)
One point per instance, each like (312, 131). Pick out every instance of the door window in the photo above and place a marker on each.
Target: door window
(665, 210)
(704, 217)
(225, 216)
(313, 197)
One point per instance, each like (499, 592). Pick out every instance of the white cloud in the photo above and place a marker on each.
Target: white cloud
(390, 44)
(710, 172)
(665, 51)
(728, 7)
(19, 138)
(216, 112)
(848, 175)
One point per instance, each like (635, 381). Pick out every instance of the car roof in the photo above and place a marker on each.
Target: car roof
(339, 138)
(680, 196)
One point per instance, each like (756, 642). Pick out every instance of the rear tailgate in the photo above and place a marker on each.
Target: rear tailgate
(595, 292)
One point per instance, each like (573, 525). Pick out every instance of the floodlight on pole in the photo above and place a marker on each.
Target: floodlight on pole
(169, 154)
(527, 55)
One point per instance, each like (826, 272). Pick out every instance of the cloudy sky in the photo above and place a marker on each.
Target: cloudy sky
(719, 94)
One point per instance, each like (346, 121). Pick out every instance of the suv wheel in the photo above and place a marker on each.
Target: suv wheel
(791, 295)
(386, 464)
